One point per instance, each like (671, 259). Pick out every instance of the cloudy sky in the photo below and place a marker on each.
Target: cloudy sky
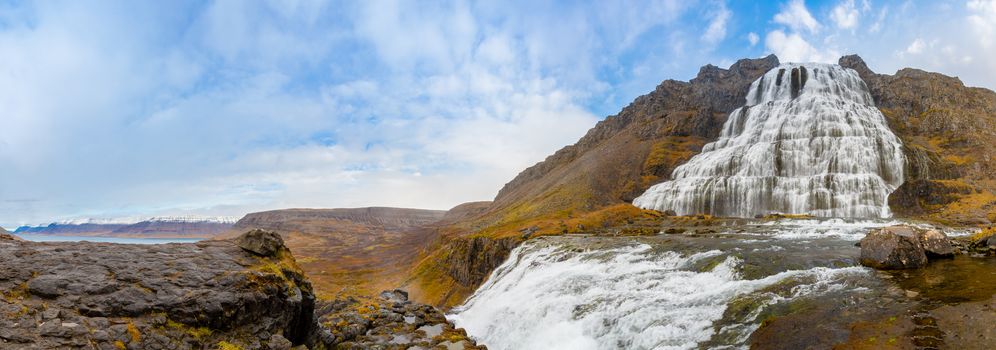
(116, 109)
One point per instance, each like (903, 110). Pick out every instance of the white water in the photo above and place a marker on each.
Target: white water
(631, 297)
(821, 149)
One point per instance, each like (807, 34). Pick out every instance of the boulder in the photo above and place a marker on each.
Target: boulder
(260, 242)
(936, 244)
(894, 247)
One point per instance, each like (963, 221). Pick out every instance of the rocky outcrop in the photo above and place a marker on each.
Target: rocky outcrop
(389, 321)
(471, 260)
(6, 236)
(903, 247)
(211, 294)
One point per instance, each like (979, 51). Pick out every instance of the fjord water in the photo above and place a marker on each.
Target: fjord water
(809, 140)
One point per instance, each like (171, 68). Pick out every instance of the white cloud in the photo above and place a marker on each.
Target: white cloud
(753, 38)
(717, 25)
(796, 16)
(793, 48)
(845, 15)
(983, 20)
(916, 47)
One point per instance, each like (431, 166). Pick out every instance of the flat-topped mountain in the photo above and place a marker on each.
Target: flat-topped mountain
(329, 220)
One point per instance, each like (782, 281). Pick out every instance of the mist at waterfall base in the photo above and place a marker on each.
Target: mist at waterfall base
(809, 140)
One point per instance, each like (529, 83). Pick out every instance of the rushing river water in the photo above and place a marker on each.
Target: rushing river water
(672, 291)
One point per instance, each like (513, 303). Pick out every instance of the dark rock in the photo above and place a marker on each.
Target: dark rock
(936, 244)
(396, 296)
(670, 212)
(894, 247)
(169, 296)
(349, 324)
(260, 242)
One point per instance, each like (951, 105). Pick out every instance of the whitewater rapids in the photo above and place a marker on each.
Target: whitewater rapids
(809, 140)
(654, 293)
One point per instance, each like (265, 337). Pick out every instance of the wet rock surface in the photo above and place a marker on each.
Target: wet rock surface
(907, 247)
(209, 294)
(390, 321)
(895, 247)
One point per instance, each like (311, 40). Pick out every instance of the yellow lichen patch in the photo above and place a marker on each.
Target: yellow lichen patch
(985, 233)
(133, 332)
(224, 345)
(17, 293)
(120, 345)
(957, 159)
(196, 332)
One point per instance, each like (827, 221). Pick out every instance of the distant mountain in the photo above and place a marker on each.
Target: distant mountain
(156, 227)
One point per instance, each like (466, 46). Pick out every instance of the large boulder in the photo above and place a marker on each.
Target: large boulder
(260, 242)
(935, 244)
(894, 247)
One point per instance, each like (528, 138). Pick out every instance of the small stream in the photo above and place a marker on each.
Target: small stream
(693, 291)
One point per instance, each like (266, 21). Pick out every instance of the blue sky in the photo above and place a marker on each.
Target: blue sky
(114, 109)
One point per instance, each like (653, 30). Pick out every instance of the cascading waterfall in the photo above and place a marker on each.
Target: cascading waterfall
(808, 141)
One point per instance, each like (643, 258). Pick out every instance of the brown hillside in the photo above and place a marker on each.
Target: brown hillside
(949, 134)
(353, 251)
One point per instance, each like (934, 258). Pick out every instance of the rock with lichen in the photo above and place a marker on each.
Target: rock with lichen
(390, 321)
(205, 295)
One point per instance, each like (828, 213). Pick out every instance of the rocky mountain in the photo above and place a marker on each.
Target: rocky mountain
(352, 251)
(157, 227)
(85, 229)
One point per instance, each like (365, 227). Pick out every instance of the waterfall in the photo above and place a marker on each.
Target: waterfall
(809, 140)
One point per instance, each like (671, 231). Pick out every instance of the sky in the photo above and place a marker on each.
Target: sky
(150, 108)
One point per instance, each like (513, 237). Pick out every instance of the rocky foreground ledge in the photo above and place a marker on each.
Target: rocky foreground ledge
(243, 293)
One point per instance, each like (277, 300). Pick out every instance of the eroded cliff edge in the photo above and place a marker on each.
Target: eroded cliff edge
(247, 292)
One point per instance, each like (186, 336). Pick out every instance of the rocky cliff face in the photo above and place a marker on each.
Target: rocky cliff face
(949, 134)
(211, 294)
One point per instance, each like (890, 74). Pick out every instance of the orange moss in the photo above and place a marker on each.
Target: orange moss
(133, 332)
